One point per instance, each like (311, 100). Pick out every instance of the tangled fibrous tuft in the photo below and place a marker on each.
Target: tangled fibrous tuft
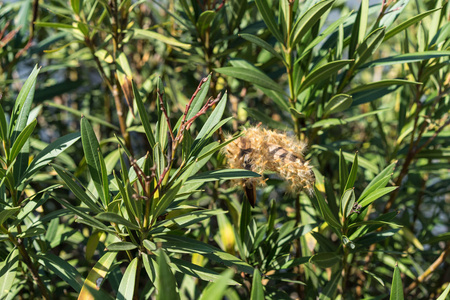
(260, 150)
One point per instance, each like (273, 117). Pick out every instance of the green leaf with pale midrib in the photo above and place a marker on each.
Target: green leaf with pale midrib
(253, 76)
(225, 174)
(406, 58)
(51, 151)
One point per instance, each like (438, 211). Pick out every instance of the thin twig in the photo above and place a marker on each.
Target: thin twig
(433, 136)
(428, 271)
(211, 102)
(188, 106)
(410, 156)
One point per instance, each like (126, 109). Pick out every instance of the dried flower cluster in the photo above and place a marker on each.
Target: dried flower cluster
(262, 150)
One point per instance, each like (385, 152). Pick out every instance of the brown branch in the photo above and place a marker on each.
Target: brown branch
(410, 156)
(428, 271)
(188, 106)
(433, 136)
(211, 102)
(27, 260)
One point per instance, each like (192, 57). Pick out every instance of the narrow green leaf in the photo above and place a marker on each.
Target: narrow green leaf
(266, 12)
(199, 99)
(377, 194)
(185, 220)
(325, 211)
(307, 21)
(343, 171)
(121, 246)
(64, 158)
(329, 291)
(261, 43)
(324, 243)
(325, 259)
(7, 213)
(38, 199)
(213, 119)
(205, 19)
(362, 230)
(50, 152)
(96, 277)
(84, 217)
(115, 218)
(180, 20)
(397, 286)
(329, 30)
(190, 269)
(445, 293)
(144, 117)
(244, 221)
(104, 177)
(328, 123)
(322, 73)
(75, 6)
(435, 24)
(374, 222)
(216, 290)
(254, 76)
(149, 266)
(92, 243)
(279, 99)
(337, 104)
(31, 232)
(284, 16)
(91, 149)
(152, 35)
(21, 164)
(8, 271)
(331, 197)
(72, 183)
(54, 25)
(406, 58)
(395, 9)
(80, 113)
(353, 173)
(359, 27)
(167, 287)
(348, 200)
(225, 174)
(129, 203)
(257, 287)
(237, 11)
(375, 90)
(381, 177)
(399, 28)
(3, 127)
(22, 106)
(167, 199)
(340, 42)
(62, 269)
(183, 244)
(369, 46)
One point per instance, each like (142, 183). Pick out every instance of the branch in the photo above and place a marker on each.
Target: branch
(188, 106)
(428, 271)
(433, 136)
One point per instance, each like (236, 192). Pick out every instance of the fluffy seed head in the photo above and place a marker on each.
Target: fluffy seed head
(260, 150)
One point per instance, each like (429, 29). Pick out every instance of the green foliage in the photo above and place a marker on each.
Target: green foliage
(112, 152)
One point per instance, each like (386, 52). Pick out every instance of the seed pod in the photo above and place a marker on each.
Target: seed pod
(260, 150)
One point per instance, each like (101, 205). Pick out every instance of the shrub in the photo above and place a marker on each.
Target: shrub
(144, 205)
